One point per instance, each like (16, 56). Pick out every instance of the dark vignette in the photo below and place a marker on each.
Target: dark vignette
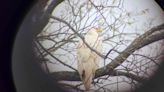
(30, 78)
(11, 14)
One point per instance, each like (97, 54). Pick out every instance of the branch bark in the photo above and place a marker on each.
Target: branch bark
(74, 76)
(152, 35)
(39, 17)
(55, 57)
(81, 37)
(148, 37)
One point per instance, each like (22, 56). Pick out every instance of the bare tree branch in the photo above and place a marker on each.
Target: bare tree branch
(148, 37)
(40, 17)
(74, 76)
(129, 75)
(55, 57)
(152, 35)
(81, 37)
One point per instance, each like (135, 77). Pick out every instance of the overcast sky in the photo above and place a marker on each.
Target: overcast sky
(143, 15)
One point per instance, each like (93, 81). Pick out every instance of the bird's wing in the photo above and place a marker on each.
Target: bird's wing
(88, 60)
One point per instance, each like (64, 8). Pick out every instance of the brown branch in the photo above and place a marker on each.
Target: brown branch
(101, 14)
(152, 35)
(129, 75)
(39, 18)
(55, 57)
(148, 37)
(148, 58)
(81, 37)
(74, 76)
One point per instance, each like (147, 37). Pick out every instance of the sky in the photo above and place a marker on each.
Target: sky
(137, 16)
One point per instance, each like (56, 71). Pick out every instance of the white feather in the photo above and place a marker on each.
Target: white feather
(88, 60)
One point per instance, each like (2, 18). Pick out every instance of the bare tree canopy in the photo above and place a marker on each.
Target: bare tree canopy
(128, 38)
(153, 35)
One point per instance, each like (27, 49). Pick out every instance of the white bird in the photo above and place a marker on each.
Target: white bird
(88, 60)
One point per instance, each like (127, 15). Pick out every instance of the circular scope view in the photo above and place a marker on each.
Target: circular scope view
(100, 45)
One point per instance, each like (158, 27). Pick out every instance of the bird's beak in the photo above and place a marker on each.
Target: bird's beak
(99, 30)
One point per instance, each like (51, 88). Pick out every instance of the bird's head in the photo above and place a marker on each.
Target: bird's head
(98, 30)
(94, 31)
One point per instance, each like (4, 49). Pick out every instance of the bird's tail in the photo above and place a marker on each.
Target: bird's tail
(87, 80)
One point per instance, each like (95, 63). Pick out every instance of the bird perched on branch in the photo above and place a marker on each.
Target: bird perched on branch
(88, 60)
